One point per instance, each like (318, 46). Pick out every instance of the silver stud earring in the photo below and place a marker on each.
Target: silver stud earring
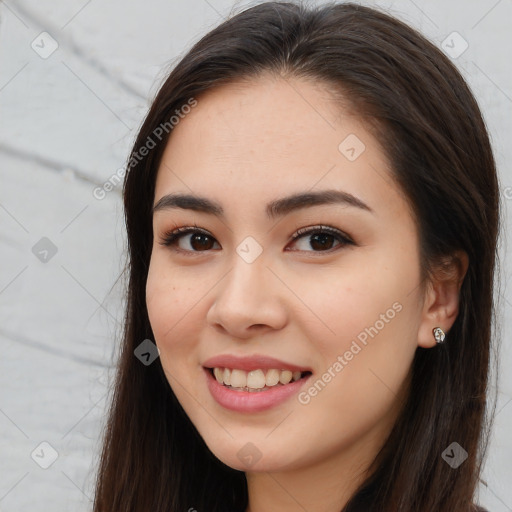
(439, 334)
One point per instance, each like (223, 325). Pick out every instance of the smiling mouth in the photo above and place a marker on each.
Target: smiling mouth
(255, 381)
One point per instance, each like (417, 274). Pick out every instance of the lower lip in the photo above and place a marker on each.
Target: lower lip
(247, 401)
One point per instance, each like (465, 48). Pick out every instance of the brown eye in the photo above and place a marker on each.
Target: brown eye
(200, 241)
(195, 240)
(321, 238)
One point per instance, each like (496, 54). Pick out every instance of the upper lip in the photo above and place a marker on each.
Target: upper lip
(249, 363)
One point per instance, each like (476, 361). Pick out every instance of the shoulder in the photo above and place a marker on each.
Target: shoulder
(479, 509)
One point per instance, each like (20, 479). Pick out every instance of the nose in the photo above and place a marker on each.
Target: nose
(249, 300)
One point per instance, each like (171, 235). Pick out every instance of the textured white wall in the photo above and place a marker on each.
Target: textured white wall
(67, 121)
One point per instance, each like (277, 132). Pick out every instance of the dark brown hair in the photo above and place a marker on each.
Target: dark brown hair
(431, 129)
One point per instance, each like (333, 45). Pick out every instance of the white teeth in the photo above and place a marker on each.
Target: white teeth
(218, 375)
(255, 379)
(238, 379)
(272, 377)
(285, 377)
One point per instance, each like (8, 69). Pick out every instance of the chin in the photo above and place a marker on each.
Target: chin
(253, 457)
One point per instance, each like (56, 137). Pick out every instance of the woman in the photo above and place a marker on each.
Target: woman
(312, 215)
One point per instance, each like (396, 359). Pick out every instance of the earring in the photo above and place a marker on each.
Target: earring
(439, 334)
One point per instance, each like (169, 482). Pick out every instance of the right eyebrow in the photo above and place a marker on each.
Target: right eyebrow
(276, 208)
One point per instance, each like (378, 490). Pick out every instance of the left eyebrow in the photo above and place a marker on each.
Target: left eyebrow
(276, 208)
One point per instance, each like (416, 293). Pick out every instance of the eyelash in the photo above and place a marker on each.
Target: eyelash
(170, 238)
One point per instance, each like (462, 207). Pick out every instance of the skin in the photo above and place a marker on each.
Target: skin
(244, 145)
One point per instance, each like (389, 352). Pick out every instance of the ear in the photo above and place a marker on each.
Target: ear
(441, 300)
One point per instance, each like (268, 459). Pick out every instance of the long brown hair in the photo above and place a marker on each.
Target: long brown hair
(432, 131)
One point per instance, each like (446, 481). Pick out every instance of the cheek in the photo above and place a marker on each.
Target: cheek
(360, 301)
(174, 309)
(368, 347)
(173, 304)
(369, 317)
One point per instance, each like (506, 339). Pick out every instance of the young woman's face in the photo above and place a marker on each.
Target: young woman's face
(338, 307)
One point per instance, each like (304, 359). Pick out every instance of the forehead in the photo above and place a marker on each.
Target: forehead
(246, 143)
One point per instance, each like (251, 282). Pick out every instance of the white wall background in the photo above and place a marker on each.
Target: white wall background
(66, 125)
